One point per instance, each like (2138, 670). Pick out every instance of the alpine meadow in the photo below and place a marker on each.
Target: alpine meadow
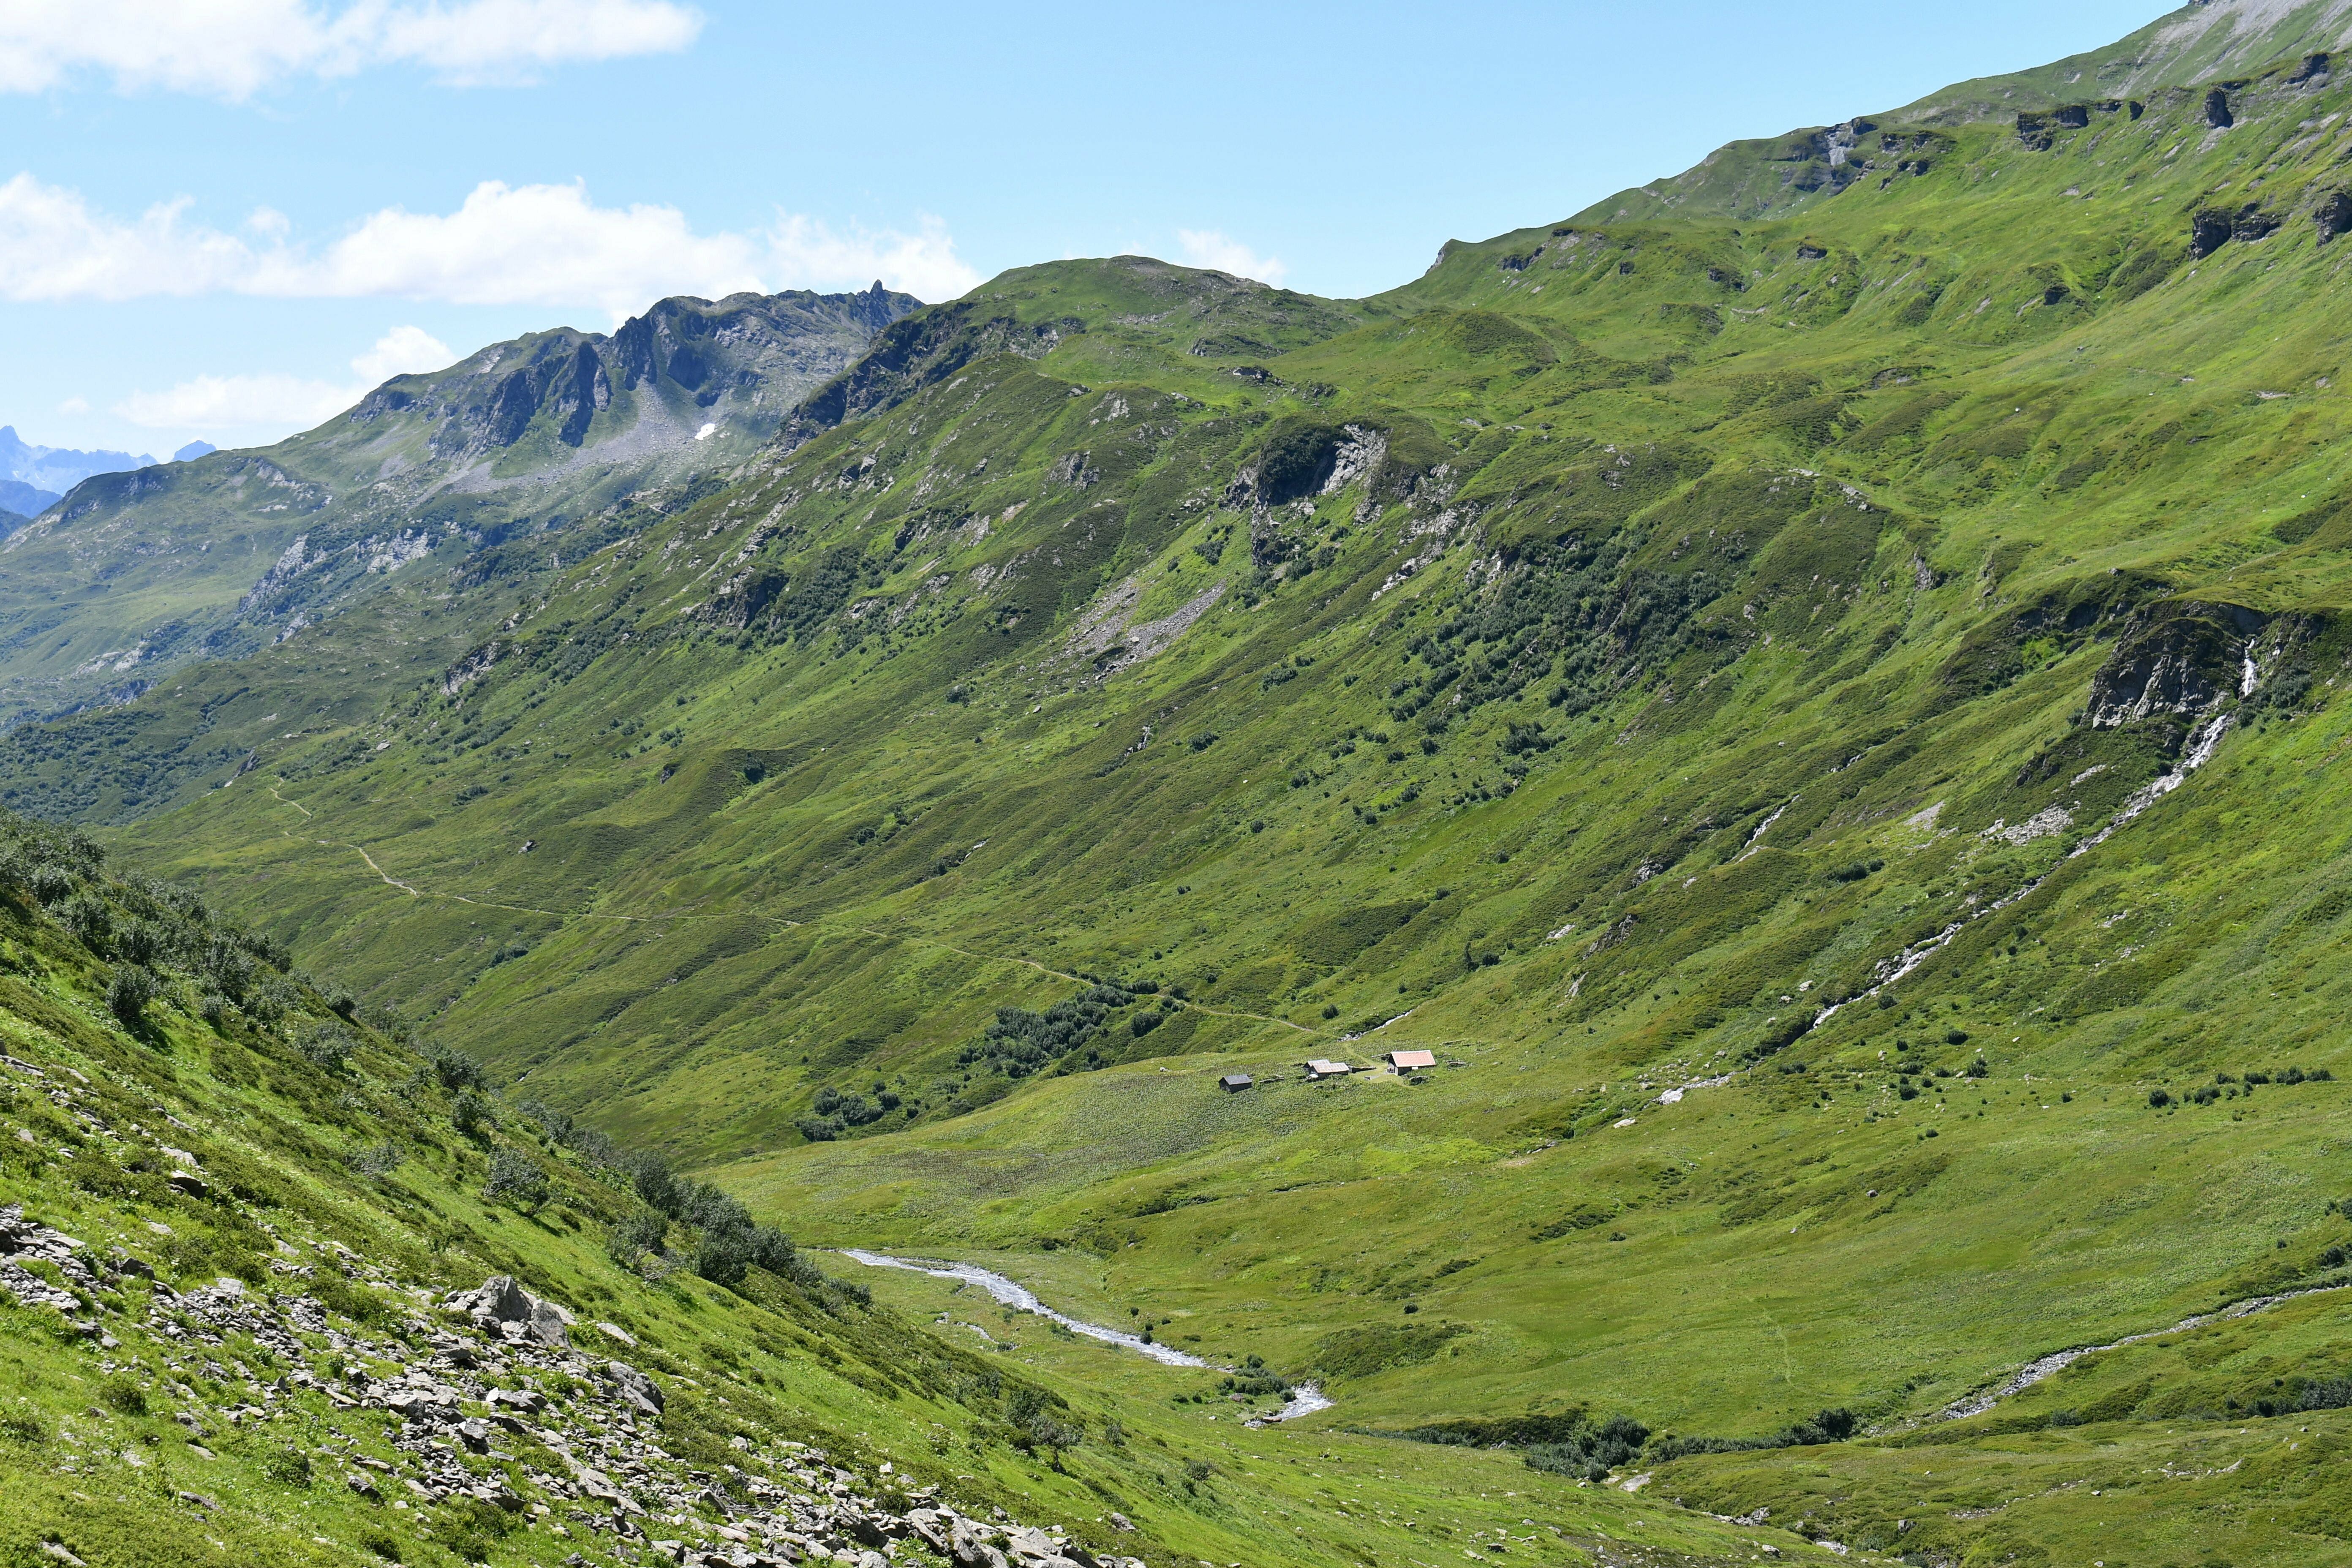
(734, 941)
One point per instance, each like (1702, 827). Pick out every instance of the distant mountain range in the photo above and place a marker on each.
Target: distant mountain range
(32, 478)
(17, 497)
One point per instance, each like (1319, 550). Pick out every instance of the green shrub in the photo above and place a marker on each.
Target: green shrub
(379, 1159)
(327, 1045)
(287, 1467)
(128, 993)
(516, 1180)
(636, 1235)
(123, 1395)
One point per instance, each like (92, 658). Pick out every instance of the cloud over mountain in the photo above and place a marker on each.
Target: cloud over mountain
(504, 245)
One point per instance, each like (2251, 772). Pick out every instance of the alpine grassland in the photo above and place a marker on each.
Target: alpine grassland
(1810, 689)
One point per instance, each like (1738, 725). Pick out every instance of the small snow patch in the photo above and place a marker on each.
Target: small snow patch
(706, 433)
(1627, 1122)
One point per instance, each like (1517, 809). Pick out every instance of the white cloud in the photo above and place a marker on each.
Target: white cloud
(1207, 247)
(246, 402)
(232, 48)
(74, 405)
(809, 254)
(404, 351)
(53, 246)
(505, 245)
(237, 403)
(527, 245)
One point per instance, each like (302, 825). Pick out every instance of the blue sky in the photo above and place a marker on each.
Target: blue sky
(223, 225)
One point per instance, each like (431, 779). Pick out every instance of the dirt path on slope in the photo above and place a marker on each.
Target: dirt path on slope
(415, 892)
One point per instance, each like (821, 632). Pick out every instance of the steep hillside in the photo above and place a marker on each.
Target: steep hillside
(493, 468)
(1826, 726)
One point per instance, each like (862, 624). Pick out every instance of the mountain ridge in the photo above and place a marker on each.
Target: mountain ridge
(2178, 56)
(519, 438)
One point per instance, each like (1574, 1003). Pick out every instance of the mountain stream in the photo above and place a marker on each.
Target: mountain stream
(1305, 1398)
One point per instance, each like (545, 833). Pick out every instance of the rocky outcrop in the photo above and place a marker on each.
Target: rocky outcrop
(24, 1241)
(2214, 227)
(2333, 214)
(500, 1306)
(2181, 659)
(508, 1373)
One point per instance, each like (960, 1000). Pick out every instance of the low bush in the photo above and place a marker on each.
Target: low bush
(129, 991)
(516, 1180)
(123, 1395)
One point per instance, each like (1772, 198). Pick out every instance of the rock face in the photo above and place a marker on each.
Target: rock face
(2183, 659)
(500, 1306)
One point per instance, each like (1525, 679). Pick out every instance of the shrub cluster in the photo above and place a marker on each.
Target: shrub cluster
(516, 1179)
(152, 932)
(834, 1111)
(728, 1245)
(1593, 1453)
(1020, 1042)
(1827, 1427)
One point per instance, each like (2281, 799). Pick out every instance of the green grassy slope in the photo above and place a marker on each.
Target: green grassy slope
(259, 1214)
(491, 469)
(2204, 45)
(1831, 721)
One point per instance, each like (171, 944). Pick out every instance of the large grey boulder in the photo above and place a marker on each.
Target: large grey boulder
(502, 1307)
(636, 1390)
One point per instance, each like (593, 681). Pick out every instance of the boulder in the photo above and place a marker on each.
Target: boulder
(636, 1390)
(932, 1527)
(1031, 1544)
(500, 1306)
(968, 1544)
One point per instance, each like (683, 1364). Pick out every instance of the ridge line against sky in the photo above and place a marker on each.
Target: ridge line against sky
(214, 221)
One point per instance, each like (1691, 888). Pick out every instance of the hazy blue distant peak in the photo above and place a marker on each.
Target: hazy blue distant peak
(193, 450)
(27, 501)
(57, 469)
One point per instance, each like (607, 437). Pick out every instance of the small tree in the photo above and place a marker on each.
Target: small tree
(636, 1235)
(139, 942)
(327, 1045)
(723, 1255)
(1056, 1435)
(128, 993)
(516, 1180)
(86, 916)
(469, 1113)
